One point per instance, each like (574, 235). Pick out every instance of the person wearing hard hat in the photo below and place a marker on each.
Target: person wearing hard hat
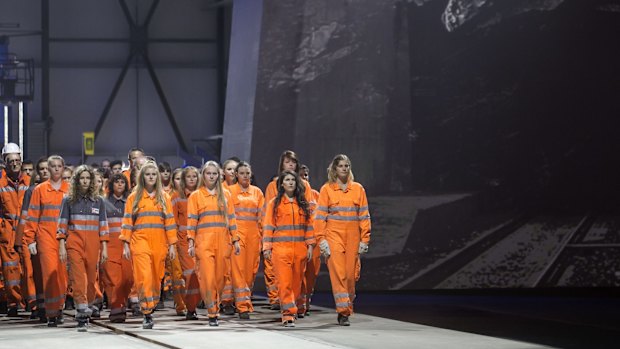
(13, 185)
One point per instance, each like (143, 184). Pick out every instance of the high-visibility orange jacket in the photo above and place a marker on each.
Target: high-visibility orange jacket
(149, 232)
(83, 224)
(342, 218)
(11, 198)
(249, 213)
(42, 226)
(287, 232)
(31, 272)
(192, 287)
(213, 232)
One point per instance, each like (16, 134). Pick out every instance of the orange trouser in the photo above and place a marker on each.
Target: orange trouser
(29, 291)
(12, 273)
(192, 287)
(289, 263)
(312, 271)
(83, 256)
(227, 297)
(242, 266)
(117, 277)
(211, 255)
(54, 274)
(270, 281)
(148, 270)
(343, 265)
(37, 276)
(177, 282)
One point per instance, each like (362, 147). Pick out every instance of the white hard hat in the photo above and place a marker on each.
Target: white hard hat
(11, 148)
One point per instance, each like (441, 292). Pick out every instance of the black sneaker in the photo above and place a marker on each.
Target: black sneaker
(229, 309)
(12, 312)
(275, 306)
(191, 315)
(4, 308)
(343, 320)
(147, 322)
(69, 304)
(52, 322)
(34, 315)
(300, 315)
(213, 322)
(82, 325)
(61, 319)
(289, 323)
(41, 315)
(96, 314)
(244, 315)
(135, 310)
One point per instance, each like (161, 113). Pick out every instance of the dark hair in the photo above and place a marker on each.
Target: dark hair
(27, 162)
(299, 193)
(242, 164)
(116, 162)
(291, 155)
(135, 149)
(41, 160)
(94, 165)
(163, 166)
(113, 179)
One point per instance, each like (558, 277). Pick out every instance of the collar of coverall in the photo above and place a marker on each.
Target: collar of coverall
(335, 186)
(64, 186)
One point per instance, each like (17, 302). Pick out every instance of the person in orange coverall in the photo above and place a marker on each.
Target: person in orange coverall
(83, 234)
(249, 202)
(148, 231)
(40, 237)
(288, 240)
(288, 162)
(13, 186)
(228, 299)
(314, 265)
(342, 228)
(187, 185)
(211, 229)
(117, 271)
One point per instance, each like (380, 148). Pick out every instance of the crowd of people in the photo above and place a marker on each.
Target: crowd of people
(71, 236)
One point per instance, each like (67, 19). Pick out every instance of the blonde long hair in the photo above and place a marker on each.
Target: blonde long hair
(184, 173)
(160, 195)
(221, 199)
(332, 176)
(74, 189)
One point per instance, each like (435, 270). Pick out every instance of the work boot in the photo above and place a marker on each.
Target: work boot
(12, 312)
(274, 306)
(135, 309)
(244, 315)
(34, 315)
(181, 313)
(96, 314)
(300, 315)
(41, 315)
(160, 305)
(213, 322)
(191, 315)
(229, 309)
(343, 320)
(147, 322)
(61, 318)
(289, 323)
(52, 322)
(117, 319)
(4, 307)
(82, 325)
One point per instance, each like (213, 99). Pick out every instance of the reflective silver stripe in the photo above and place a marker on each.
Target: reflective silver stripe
(171, 227)
(48, 219)
(150, 299)
(341, 295)
(211, 225)
(192, 216)
(34, 207)
(81, 227)
(287, 306)
(244, 209)
(11, 283)
(126, 226)
(84, 217)
(12, 216)
(169, 215)
(192, 291)
(322, 208)
(81, 306)
(209, 213)
(114, 220)
(342, 208)
(364, 217)
(191, 227)
(288, 239)
(232, 227)
(188, 272)
(310, 228)
(127, 215)
(51, 207)
(244, 218)
(267, 239)
(244, 298)
(62, 230)
(343, 218)
(55, 299)
(342, 305)
(269, 227)
(149, 226)
(320, 217)
(245, 289)
(115, 229)
(103, 223)
(63, 221)
(182, 228)
(231, 216)
(150, 214)
(10, 264)
(291, 227)
(363, 208)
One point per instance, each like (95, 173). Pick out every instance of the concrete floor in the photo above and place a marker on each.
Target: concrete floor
(262, 331)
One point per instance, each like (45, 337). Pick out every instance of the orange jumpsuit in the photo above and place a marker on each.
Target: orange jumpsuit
(270, 281)
(84, 225)
(149, 232)
(227, 297)
(11, 198)
(32, 282)
(312, 268)
(343, 220)
(212, 232)
(192, 287)
(42, 226)
(288, 233)
(117, 272)
(249, 213)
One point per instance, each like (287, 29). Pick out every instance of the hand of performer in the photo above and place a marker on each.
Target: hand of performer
(104, 251)
(62, 251)
(363, 248)
(192, 249)
(33, 248)
(237, 247)
(310, 251)
(324, 246)
(172, 252)
(126, 251)
(267, 254)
